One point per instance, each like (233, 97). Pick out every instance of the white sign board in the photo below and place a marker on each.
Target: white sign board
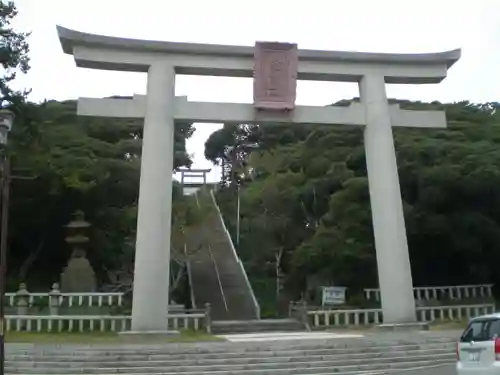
(333, 295)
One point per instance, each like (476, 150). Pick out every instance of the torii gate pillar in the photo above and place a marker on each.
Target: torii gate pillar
(152, 262)
(393, 259)
(278, 65)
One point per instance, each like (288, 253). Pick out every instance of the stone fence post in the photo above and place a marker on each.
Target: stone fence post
(22, 300)
(303, 316)
(54, 299)
(208, 319)
(292, 308)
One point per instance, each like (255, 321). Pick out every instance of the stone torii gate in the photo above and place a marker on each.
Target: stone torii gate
(194, 173)
(276, 67)
(198, 173)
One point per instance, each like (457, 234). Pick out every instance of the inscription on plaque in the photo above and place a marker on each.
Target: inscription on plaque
(275, 76)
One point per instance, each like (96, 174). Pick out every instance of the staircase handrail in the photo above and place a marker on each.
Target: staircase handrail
(238, 260)
(190, 279)
(218, 276)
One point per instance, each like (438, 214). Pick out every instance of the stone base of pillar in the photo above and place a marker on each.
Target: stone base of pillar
(398, 327)
(148, 335)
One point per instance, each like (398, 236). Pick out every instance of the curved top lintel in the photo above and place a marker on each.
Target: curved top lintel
(72, 38)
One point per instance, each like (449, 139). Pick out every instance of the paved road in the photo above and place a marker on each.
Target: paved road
(441, 370)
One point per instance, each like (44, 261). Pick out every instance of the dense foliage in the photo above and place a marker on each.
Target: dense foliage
(305, 209)
(91, 164)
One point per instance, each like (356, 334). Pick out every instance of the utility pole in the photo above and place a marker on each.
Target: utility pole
(6, 122)
(5, 186)
(237, 164)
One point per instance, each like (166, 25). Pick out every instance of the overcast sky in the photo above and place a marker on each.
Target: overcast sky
(355, 25)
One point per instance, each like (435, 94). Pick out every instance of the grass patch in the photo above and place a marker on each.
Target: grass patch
(106, 337)
(348, 329)
(437, 326)
(450, 325)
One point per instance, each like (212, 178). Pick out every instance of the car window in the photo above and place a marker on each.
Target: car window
(481, 330)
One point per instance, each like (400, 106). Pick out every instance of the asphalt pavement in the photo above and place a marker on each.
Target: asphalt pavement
(441, 370)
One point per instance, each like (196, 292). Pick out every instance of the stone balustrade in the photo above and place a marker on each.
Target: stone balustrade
(458, 312)
(107, 323)
(56, 303)
(456, 292)
(360, 317)
(74, 299)
(65, 299)
(336, 318)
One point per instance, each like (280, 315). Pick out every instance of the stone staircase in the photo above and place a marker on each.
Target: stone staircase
(318, 357)
(204, 281)
(217, 276)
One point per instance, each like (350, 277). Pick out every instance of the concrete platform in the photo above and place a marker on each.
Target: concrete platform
(157, 335)
(287, 336)
(417, 326)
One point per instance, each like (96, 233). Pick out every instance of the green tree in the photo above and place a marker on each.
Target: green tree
(14, 50)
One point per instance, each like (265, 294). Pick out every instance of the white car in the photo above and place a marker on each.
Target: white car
(478, 351)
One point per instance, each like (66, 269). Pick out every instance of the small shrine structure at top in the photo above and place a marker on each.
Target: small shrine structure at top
(192, 179)
(275, 67)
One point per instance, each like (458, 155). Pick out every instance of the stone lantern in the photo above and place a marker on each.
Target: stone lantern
(78, 276)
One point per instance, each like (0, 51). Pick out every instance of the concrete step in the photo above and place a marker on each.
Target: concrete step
(228, 358)
(271, 347)
(331, 372)
(394, 354)
(260, 369)
(220, 362)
